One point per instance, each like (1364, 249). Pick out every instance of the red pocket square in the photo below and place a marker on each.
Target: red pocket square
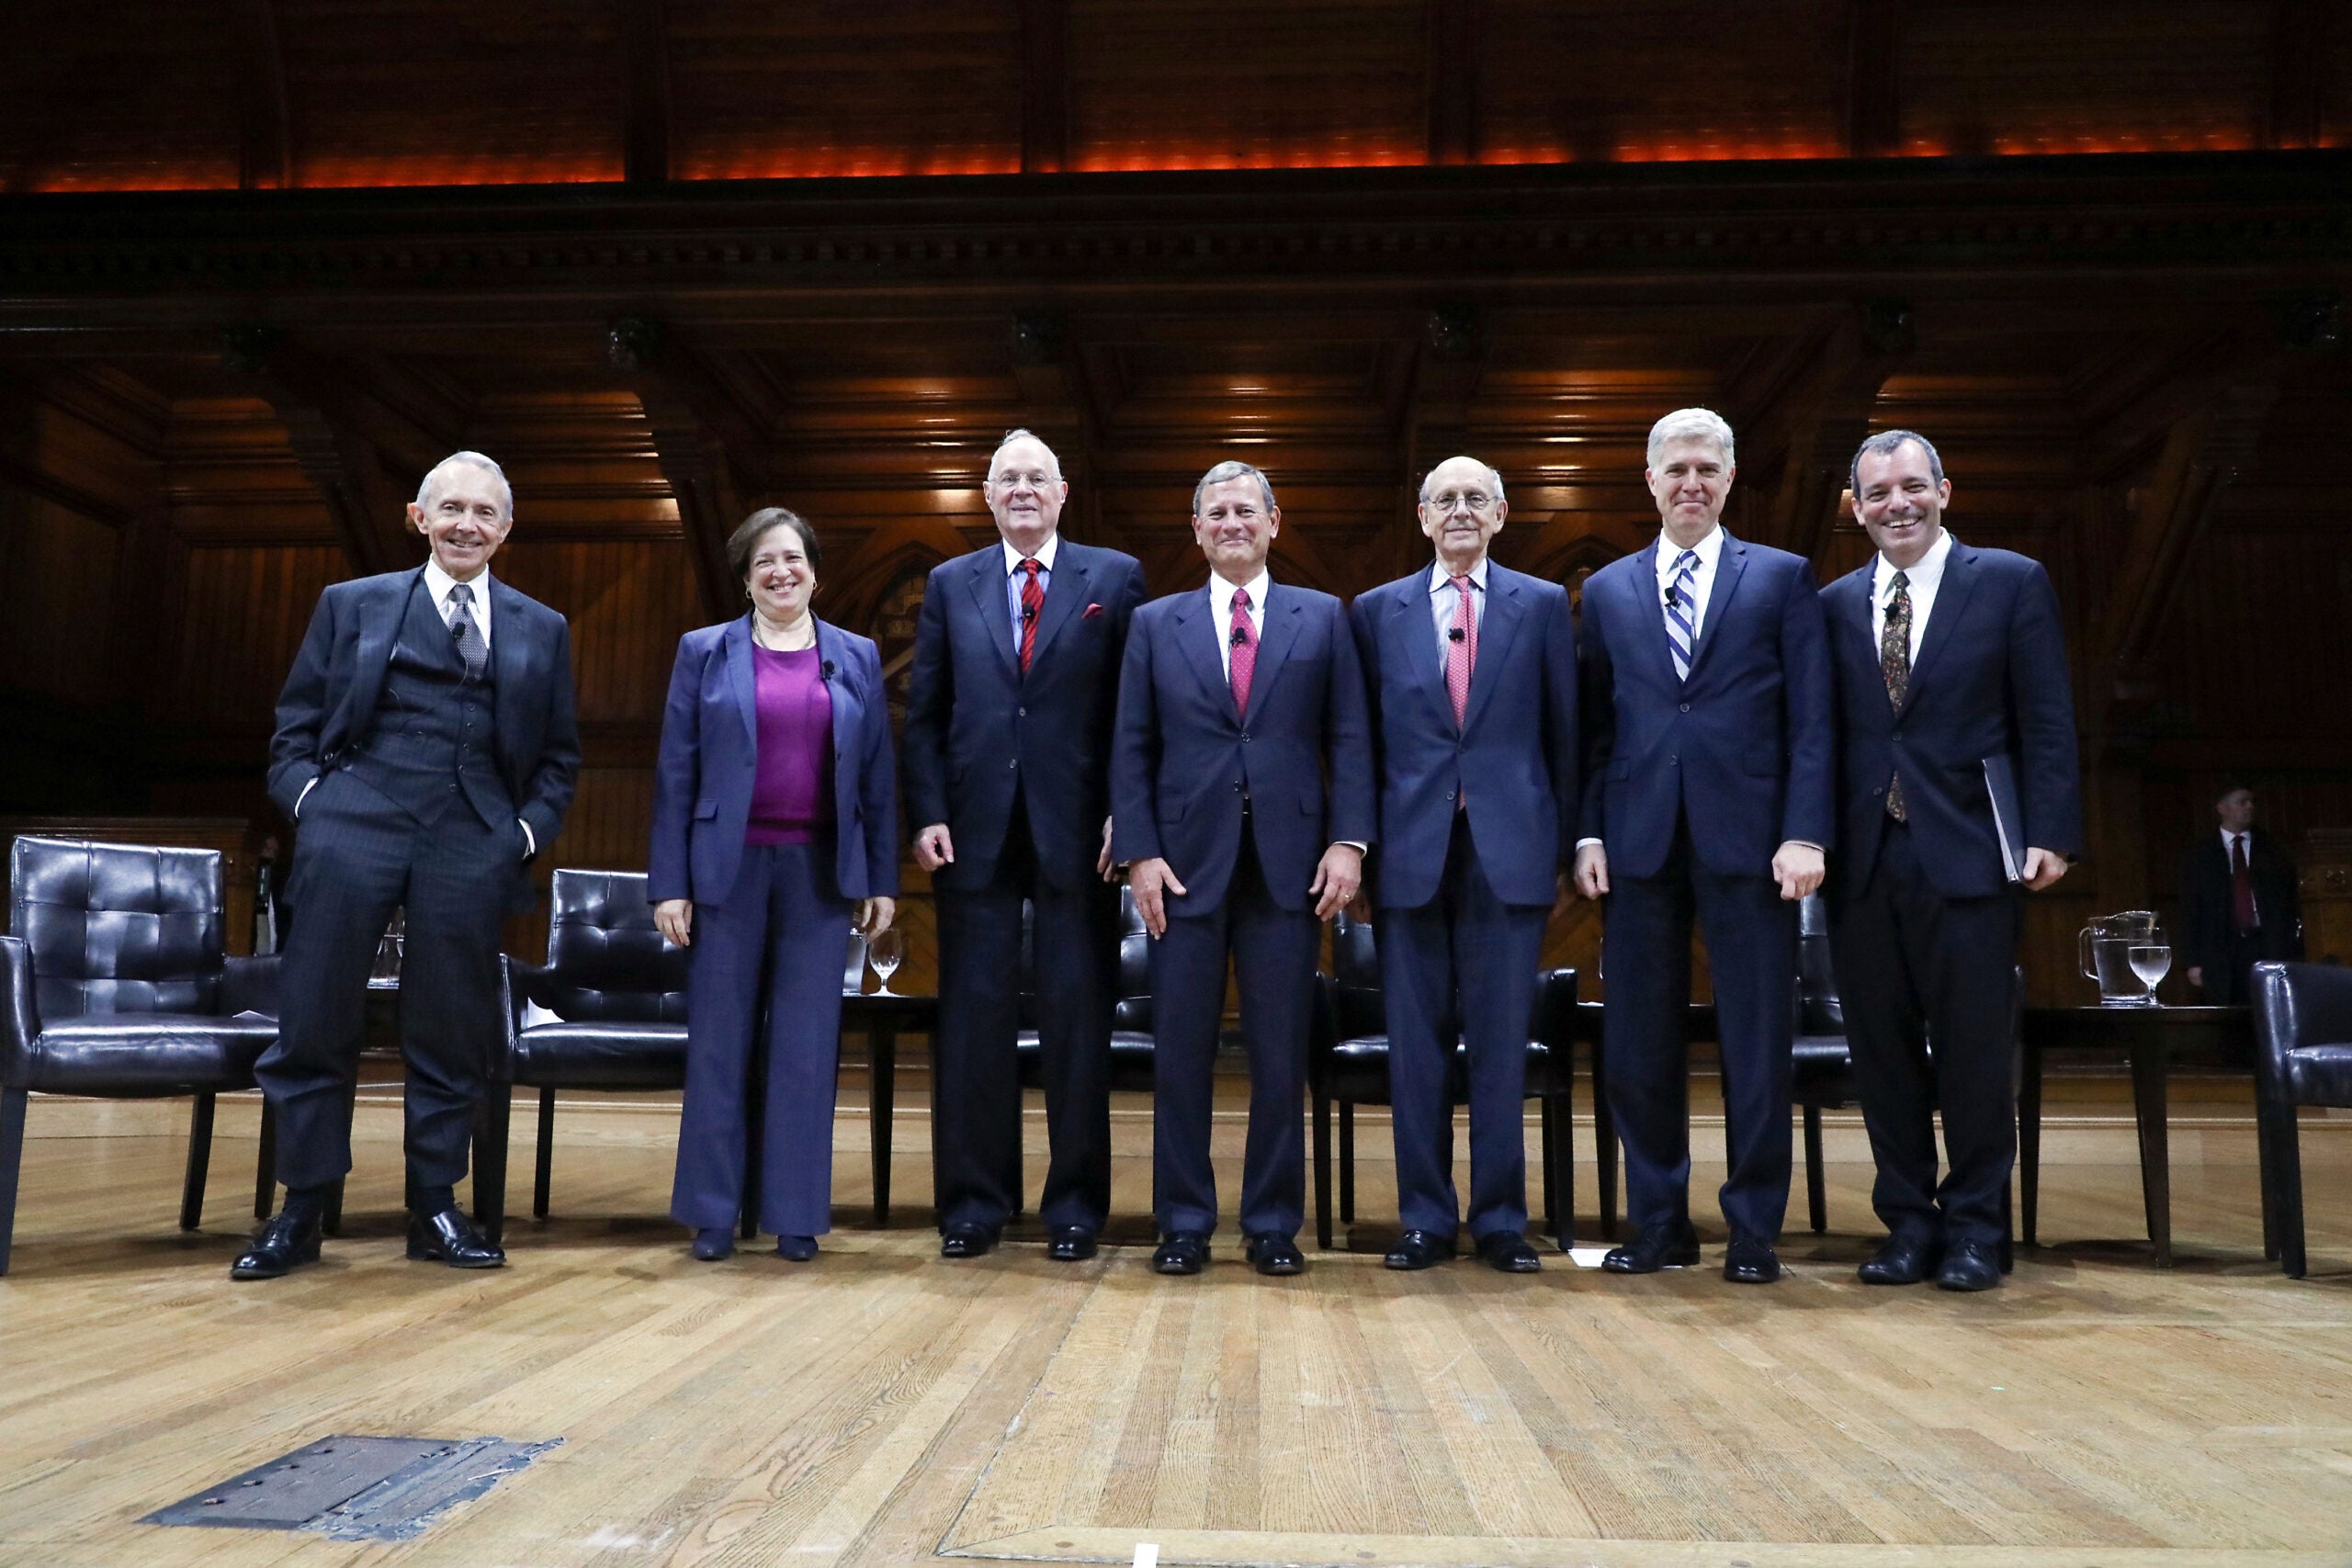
(1090, 612)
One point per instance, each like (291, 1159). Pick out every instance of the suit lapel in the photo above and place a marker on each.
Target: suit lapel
(1196, 634)
(848, 709)
(1730, 567)
(1647, 605)
(1064, 593)
(1951, 599)
(1500, 624)
(373, 652)
(1281, 633)
(508, 656)
(743, 677)
(1419, 631)
(987, 585)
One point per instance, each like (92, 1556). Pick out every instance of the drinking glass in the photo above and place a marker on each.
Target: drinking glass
(883, 952)
(2150, 961)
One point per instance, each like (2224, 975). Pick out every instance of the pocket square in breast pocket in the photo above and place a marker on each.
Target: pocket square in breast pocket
(1090, 612)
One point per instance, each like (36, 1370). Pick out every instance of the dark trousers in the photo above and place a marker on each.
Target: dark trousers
(358, 858)
(976, 1106)
(1751, 934)
(1462, 964)
(773, 953)
(1914, 967)
(1273, 952)
(2229, 982)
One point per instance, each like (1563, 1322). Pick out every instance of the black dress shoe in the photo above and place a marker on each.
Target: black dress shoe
(1180, 1252)
(710, 1246)
(281, 1245)
(1271, 1252)
(1661, 1246)
(1419, 1249)
(967, 1241)
(796, 1248)
(1902, 1261)
(1750, 1260)
(1071, 1246)
(450, 1238)
(1508, 1252)
(1969, 1266)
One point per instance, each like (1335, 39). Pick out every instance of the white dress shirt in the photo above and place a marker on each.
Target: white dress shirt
(1444, 599)
(1015, 579)
(1921, 581)
(1221, 614)
(1703, 579)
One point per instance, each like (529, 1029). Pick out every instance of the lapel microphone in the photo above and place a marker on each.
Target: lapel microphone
(1673, 597)
(1028, 612)
(1453, 633)
(1238, 635)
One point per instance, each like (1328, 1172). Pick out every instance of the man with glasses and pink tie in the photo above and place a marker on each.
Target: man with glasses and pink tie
(1471, 669)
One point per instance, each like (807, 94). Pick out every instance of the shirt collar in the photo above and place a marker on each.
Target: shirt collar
(1440, 578)
(1045, 557)
(439, 582)
(1923, 577)
(1221, 594)
(1710, 548)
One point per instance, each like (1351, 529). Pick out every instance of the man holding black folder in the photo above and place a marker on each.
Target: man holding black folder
(1958, 786)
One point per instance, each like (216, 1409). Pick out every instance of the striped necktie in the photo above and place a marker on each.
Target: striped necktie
(1681, 627)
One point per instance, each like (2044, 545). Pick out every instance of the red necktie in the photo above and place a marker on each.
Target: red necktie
(1033, 605)
(1461, 651)
(2241, 885)
(1245, 651)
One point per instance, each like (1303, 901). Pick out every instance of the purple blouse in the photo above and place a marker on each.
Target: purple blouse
(792, 797)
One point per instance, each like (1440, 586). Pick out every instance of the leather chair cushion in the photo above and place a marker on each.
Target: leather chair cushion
(118, 928)
(2320, 1075)
(133, 1055)
(606, 958)
(1133, 1061)
(602, 1054)
(1824, 1070)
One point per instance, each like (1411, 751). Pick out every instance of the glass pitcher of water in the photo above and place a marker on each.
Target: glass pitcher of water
(2103, 949)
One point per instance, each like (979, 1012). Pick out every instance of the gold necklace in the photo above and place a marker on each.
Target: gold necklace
(758, 626)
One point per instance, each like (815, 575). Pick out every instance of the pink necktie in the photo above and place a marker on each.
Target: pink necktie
(1461, 651)
(1245, 651)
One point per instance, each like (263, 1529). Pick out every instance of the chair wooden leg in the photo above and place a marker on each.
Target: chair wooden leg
(1322, 1114)
(2275, 1125)
(1347, 1162)
(755, 1101)
(2008, 1248)
(12, 1156)
(491, 1137)
(1604, 1148)
(265, 1163)
(2029, 1143)
(332, 1224)
(1560, 1168)
(199, 1163)
(1817, 1201)
(543, 1172)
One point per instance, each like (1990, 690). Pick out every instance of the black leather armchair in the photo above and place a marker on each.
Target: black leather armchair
(1131, 1038)
(1822, 1078)
(2303, 1034)
(618, 993)
(1347, 1063)
(115, 984)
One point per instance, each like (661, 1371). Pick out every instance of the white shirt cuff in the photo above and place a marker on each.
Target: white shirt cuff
(305, 795)
(1582, 842)
(530, 838)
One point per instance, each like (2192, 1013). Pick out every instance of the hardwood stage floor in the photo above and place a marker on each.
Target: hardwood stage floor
(883, 1406)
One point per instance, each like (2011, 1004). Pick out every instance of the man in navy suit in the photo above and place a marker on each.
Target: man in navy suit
(1474, 679)
(1241, 799)
(427, 748)
(1947, 658)
(1709, 749)
(1006, 759)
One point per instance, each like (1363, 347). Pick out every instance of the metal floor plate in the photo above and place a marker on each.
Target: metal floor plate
(356, 1488)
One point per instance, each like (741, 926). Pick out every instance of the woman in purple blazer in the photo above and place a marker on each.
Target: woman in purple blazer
(774, 824)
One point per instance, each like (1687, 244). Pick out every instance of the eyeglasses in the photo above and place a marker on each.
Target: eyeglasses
(1477, 501)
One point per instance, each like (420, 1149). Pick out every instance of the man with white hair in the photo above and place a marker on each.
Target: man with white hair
(426, 750)
(1006, 774)
(1708, 760)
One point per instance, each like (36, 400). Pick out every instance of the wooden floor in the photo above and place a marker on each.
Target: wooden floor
(883, 1407)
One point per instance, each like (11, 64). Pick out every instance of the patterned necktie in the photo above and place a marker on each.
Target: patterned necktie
(1681, 623)
(1461, 651)
(2241, 885)
(471, 648)
(1894, 663)
(1244, 650)
(1033, 605)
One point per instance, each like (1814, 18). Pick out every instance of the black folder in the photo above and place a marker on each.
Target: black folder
(2008, 819)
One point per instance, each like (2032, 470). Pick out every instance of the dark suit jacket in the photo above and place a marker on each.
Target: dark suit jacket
(1990, 679)
(1183, 760)
(1744, 749)
(977, 728)
(1515, 752)
(2207, 914)
(708, 765)
(328, 705)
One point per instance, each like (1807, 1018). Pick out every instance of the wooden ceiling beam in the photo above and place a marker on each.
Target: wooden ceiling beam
(264, 125)
(1045, 87)
(1450, 30)
(1815, 425)
(1873, 102)
(712, 454)
(646, 120)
